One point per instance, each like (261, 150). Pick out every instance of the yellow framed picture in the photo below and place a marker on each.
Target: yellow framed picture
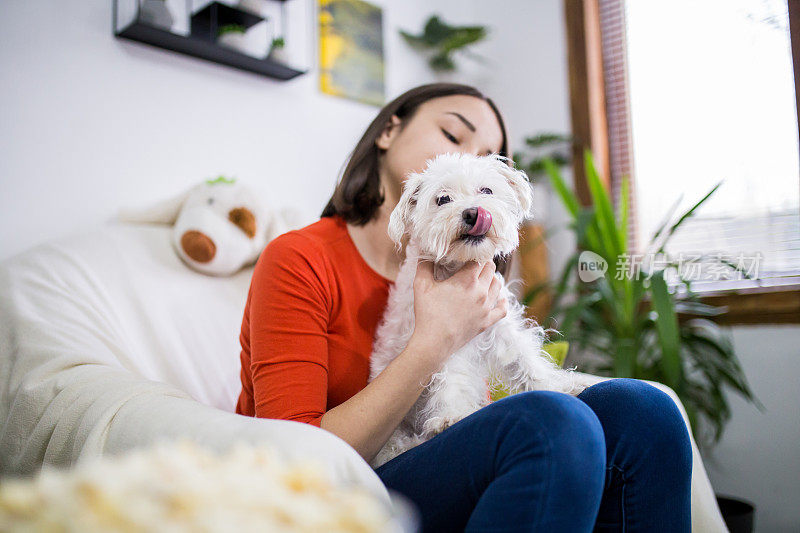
(351, 50)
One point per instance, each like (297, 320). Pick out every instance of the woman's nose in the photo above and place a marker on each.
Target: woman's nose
(474, 151)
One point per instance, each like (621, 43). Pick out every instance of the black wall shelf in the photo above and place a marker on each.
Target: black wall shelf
(201, 42)
(206, 22)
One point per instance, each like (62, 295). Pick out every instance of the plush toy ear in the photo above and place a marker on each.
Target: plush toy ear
(163, 212)
(401, 215)
(519, 183)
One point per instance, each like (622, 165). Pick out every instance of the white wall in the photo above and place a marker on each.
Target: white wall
(90, 123)
(758, 458)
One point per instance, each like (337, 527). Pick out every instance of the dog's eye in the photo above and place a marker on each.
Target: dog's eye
(486, 190)
(210, 201)
(442, 200)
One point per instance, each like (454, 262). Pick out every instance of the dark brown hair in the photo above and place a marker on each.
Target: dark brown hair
(357, 195)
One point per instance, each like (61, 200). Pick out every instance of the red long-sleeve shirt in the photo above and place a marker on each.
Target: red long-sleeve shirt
(311, 314)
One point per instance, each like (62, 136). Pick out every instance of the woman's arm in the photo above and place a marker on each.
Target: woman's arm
(368, 419)
(448, 314)
(289, 352)
(290, 308)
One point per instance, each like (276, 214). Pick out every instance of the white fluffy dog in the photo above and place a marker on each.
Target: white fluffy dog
(462, 208)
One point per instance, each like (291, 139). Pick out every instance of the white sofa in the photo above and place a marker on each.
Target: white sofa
(109, 342)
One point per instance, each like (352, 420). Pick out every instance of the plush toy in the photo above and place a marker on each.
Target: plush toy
(219, 226)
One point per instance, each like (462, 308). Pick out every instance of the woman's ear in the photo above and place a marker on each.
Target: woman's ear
(401, 214)
(519, 183)
(389, 133)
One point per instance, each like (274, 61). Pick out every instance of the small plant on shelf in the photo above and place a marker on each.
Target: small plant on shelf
(230, 28)
(277, 50)
(277, 42)
(233, 36)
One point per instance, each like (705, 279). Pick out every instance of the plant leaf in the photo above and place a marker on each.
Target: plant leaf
(623, 209)
(567, 197)
(667, 327)
(686, 215)
(607, 225)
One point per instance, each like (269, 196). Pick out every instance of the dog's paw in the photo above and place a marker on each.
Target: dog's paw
(437, 424)
(580, 384)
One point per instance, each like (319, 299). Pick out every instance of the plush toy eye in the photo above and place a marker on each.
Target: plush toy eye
(443, 200)
(486, 190)
(210, 201)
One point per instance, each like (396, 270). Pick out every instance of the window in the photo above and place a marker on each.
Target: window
(711, 98)
(678, 96)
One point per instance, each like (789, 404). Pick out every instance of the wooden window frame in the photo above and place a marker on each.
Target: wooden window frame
(590, 129)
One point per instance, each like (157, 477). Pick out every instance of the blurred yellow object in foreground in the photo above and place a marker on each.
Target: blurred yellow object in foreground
(182, 487)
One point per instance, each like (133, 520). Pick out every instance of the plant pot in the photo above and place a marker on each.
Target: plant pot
(155, 13)
(242, 42)
(738, 514)
(279, 55)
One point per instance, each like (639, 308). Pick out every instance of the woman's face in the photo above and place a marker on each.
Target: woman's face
(455, 123)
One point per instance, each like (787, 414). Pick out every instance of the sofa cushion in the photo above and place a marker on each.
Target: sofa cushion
(129, 301)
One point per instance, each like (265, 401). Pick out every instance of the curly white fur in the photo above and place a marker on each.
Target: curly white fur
(511, 350)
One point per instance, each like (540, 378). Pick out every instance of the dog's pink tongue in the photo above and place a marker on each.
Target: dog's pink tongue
(482, 224)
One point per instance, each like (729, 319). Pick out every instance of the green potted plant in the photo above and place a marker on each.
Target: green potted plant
(233, 36)
(630, 323)
(277, 50)
(442, 40)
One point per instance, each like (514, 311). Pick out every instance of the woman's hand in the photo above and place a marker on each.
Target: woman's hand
(450, 313)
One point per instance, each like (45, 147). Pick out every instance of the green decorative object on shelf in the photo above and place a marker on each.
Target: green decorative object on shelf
(277, 50)
(231, 28)
(444, 39)
(243, 51)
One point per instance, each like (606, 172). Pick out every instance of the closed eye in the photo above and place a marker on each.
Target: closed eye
(449, 136)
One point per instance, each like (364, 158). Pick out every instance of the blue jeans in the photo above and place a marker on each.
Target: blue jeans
(615, 458)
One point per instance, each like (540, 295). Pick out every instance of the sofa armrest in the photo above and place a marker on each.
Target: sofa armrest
(68, 390)
(706, 516)
(64, 412)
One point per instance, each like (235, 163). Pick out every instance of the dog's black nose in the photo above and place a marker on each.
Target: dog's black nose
(470, 216)
(478, 219)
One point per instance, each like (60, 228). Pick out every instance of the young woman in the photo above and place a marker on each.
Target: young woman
(615, 458)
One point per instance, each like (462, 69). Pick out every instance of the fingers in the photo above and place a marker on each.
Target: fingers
(425, 268)
(487, 272)
(494, 289)
(424, 275)
(500, 311)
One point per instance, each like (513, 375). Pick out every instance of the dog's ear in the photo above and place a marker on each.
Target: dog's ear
(401, 215)
(519, 183)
